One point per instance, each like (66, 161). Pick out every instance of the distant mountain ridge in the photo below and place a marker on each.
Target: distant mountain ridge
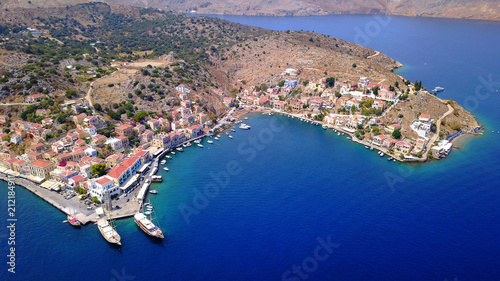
(469, 9)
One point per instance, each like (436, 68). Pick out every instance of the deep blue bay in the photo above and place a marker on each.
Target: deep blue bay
(301, 186)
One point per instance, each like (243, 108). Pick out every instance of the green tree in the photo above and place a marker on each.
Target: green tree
(330, 81)
(375, 90)
(141, 115)
(98, 169)
(396, 134)
(97, 107)
(70, 93)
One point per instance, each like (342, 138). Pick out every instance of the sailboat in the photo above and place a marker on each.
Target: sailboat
(147, 225)
(108, 231)
(106, 227)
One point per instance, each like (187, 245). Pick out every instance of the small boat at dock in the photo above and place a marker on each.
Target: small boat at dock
(325, 127)
(173, 152)
(166, 169)
(153, 191)
(73, 221)
(163, 162)
(200, 145)
(209, 141)
(179, 149)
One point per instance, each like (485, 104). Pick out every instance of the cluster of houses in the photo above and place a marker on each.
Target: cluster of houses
(405, 147)
(324, 97)
(66, 163)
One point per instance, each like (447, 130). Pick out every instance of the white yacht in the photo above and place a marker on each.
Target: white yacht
(200, 145)
(244, 126)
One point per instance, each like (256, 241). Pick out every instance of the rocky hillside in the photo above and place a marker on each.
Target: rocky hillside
(469, 9)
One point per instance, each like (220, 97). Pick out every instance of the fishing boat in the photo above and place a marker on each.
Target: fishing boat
(166, 169)
(200, 145)
(209, 141)
(147, 225)
(188, 144)
(153, 191)
(108, 231)
(179, 149)
(371, 148)
(163, 162)
(325, 127)
(366, 147)
(389, 159)
(338, 134)
(73, 221)
(382, 154)
(169, 157)
(148, 212)
(173, 152)
(197, 141)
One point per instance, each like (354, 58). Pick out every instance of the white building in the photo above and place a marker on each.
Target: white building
(16, 138)
(98, 187)
(92, 130)
(90, 152)
(116, 144)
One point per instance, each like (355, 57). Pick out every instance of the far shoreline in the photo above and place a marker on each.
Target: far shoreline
(224, 14)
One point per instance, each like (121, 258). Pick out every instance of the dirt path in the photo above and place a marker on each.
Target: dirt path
(438, 127)
(372, 56)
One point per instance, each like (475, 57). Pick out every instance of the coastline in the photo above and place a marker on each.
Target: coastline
(458, 142)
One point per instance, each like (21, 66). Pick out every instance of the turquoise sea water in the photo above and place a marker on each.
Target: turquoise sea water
(292, 187)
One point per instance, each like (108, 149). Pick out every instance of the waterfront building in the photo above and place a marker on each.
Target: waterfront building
(98, 187)
(41, 168)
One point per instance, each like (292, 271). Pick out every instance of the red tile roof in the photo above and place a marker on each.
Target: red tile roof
(41, 163)
(103, 181)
